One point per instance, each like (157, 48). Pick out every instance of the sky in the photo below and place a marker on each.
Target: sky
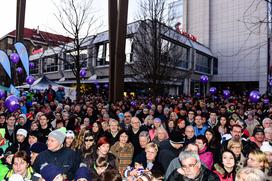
(40, 13)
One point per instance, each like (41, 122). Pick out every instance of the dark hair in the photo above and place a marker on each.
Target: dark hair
(21, 154)
(226, 174)
(111, 174)
(203, 138)
(123, 131)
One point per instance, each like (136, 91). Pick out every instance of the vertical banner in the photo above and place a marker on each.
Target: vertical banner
(4, 61)
(22, 52)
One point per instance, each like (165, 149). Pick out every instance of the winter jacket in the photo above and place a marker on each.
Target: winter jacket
(204, 175)
(206, 157)
(64, 158)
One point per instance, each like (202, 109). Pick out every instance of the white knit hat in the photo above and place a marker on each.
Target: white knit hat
(70, 133)
(22, 132)
(266, 147)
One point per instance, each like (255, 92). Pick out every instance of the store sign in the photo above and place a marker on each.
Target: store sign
(40, 50)
(184, 33)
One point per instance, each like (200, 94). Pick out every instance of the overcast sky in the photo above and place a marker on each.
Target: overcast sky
(41, 13)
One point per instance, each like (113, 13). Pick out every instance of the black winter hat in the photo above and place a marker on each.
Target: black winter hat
(257, 130)
(38, 147)
(177, 138)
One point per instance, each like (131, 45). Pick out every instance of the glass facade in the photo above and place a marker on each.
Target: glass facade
(203, 63)
(50, 64)
(69, 62)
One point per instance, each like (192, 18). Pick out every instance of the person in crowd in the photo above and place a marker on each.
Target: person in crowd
(191, 169)
(34, 126)
(70, 140)
(222, 126)
(199, 128)
(21, 166)
(51, 172)
(44, 128)
(136, 129)
(250, 174)
(4, 143)
(58, 155)
(113, 132)
(251, 122)
(33, 137)
(102, 150)
(50, 94)
(97, 130)
(257, 136)
(258, 159)
(268, 134)
(181, 124)
(11, 128)
(86, 147)
(226, 168)
(170, 149)
(156, 124)
(189, 134)
(160, 135)
(23, 122)
(123, 151)
(212, 121)
(175, 163)
(267, 149)
(35, 150)
(126, 123)
(83, 174)
(213, 144)
(236, 147)
(21, 141)
(266, 123)
(190, 118)
(144, 139)
(110, 174)
(205, 155)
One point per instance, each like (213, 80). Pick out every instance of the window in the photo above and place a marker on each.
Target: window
(70, 58)
(203, 63)
(102, 54)
(36, 68)
(215, 66)
(176, 54)
(128, 50)
(10, 41)
(51, 64)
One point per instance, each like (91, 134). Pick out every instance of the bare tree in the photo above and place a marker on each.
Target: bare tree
(155, 56)
(77, 19)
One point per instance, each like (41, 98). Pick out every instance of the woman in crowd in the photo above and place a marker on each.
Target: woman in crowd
(160, 135)
(102, 150)
(156, 124)
(180, 128)
(226, 168)
(70, 140)
(222, 126)
(213, 144)
(205, 155)
(88, 145)
(236, 147)
(123, 151)
(21, 165)
(97, 130)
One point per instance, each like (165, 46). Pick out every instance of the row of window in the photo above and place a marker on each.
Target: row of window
(172, 53)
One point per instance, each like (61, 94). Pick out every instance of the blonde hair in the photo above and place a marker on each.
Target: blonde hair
(152, 145)
(252, 174)
(231, 143)
(260, 157)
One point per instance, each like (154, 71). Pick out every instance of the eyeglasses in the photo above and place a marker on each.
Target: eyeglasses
(88, 140)
(190, 166)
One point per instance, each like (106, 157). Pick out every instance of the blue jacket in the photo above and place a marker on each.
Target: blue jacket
(64, 158)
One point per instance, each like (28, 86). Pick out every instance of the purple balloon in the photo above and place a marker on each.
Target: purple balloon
(30, 80)
(198, 94)
(19, 70)
(14, 57)
(213, 90)
(149, 104)
(133, 103)
(97, 86)
(254, 96)
(226, 94)
(2, 94)
(12, 103)
(266, 101)
(83, 73)
(204, 79)
(31, 65)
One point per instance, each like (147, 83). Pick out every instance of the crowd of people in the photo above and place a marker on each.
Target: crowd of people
(51, 138)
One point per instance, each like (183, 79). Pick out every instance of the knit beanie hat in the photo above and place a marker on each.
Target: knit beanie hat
(70, 133)
(22, 132)
(83, 172)
(58, 135)
(23, 116)
(266, 147)
(50, 171)
(38, 147)
(257, 130)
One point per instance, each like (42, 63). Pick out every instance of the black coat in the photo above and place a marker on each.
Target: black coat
(64, 158)
(205, 175)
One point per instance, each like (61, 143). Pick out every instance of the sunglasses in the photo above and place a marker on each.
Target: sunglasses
(88, 140)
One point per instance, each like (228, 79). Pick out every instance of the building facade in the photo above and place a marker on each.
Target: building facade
(196, 61)
(237, 33)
